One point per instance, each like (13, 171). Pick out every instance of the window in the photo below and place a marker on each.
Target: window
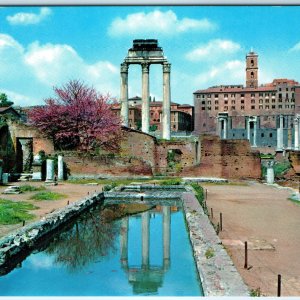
(232, 107)
(208, 102)
(216, 107)
(279, 106)
(174, 126)
(262, 135)
(232, 101)
(242, 95)
(208, 95)
(266, 94)
(252, 63)
(270, 135)
(216, 95)
(198, 96)
(260, 107)
(252, 74)
(267, 101)
(287, 106)
(292, 106)
(225, 107)
(279, 89)
(203, 108)
(225, 95)
(253, 101)
(273, 101)
(232, 95)
(225, 102)
(242, 107)
(252, 106)
(287, 89)
(260, 94)
(209, 108)
(203, 102)
(242, 101)
(260, 100)
(253, 95)
(267, 107)
(273, 106)
(280, 100)
(216, 102)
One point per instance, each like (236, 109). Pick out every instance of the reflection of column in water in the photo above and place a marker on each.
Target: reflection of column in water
(166, 235)
(124, 242)
(145, 239)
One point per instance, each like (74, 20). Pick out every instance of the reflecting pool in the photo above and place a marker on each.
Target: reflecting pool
(112, 251)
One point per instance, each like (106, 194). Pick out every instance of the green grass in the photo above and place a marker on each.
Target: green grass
(15, 212)
(47, 195)
(31, 188)
(106, 181)
(172, 181)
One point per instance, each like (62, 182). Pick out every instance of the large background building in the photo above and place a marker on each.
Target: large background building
(264, 114)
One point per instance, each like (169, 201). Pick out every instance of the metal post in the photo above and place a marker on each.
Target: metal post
(246, 256)
(279, 286)
(221, 222)
(211, 213)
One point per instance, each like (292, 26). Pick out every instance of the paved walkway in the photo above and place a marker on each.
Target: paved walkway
(270, 223)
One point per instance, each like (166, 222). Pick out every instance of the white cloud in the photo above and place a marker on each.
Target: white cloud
(157, 22)
(230, 72)
(214, 49)
(295, 48)
(23, 18)
(29, 74)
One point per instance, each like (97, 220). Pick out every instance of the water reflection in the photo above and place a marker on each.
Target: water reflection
(91, 238)
(146, 278)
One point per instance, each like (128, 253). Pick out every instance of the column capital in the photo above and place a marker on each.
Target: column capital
(124, 67)
(145, 67)
(166, 67)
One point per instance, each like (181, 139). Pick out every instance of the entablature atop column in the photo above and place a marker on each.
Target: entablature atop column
(143, 60)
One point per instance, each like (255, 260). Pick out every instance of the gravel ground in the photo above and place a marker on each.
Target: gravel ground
(264, 217)
(73, 193)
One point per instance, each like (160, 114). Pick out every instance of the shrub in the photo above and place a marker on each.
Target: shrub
(30, 188)
(47, 195)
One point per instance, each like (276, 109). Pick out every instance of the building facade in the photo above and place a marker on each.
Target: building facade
(181, 115)
(267, 115)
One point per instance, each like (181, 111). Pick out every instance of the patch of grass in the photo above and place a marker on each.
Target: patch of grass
(172, 181)
(233, 183)
(47, 195)
(107, 181)
(209, 253)
(31, 188)
(15, 212)
(255, 292)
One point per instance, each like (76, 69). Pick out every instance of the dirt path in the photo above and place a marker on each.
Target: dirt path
(262, 216)
(73, 193)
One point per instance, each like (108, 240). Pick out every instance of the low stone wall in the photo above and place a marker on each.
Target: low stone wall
(26, 238)
(218, 275)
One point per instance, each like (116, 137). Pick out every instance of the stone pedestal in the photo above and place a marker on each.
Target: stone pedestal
(50, 171)
(60, 167)
(5, 178)
(270, 173)
(26, 145)
(37, 168)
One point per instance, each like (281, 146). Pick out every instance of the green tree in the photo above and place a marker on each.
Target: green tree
(4, 101)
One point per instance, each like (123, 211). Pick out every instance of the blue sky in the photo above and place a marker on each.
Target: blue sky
(42, 47)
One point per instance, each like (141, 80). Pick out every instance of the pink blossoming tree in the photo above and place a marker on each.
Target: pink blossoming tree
(78, 117)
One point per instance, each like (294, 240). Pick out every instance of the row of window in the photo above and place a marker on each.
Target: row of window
(216, 96)
(209, 102)
(280, 106)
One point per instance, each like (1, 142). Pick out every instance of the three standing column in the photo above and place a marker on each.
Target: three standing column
(166, 114)
(124, 94)
(145, 98)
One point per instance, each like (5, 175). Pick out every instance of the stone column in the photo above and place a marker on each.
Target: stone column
(270, 173)
(254, 133)
(220, 127)
(225, 121)
(166, 116)
(296, 132)
(145, 239)
(124, 94)
(248, 131)
(26, 150)
(60, 167)
(166, 236)
(50, 171)
(289, 133)
(280, 134)
(145, 98)
(124, 242)
(37, 168)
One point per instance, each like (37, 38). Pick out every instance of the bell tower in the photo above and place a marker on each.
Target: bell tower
(252, 70)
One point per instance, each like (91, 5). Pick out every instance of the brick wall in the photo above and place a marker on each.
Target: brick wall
(226, 158)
